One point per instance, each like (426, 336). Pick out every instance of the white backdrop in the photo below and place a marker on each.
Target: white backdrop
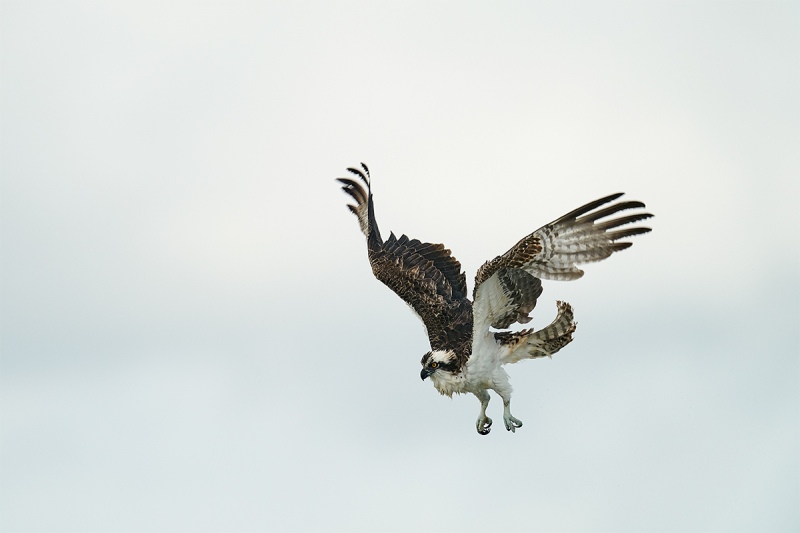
(191, 336)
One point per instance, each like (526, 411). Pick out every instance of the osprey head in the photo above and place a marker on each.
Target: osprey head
(438, 362)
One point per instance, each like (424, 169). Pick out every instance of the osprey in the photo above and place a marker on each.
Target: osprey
(467, 356)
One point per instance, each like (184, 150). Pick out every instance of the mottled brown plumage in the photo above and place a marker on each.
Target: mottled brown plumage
(426, 276)
(430, 280)
(519, 255)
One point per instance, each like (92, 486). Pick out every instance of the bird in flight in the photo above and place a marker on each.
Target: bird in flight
(467, 356)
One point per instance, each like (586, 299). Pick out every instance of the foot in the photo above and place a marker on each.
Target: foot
(511, 423)
(484, 425)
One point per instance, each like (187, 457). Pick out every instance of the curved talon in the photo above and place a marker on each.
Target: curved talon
(512, 423)
(484, 425)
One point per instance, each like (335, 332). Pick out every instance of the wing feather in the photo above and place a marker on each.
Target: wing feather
(425, 275)
(552, 252)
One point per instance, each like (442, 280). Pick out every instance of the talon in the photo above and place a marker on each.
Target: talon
(512, 423)
(484, 425)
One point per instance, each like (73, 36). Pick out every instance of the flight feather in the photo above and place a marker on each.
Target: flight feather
(503, 286)
(425, 275)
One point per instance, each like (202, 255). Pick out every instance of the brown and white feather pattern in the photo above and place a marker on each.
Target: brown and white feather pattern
(578, 238)
(363, 206)
(551, 252)
(426, 276)
(530, 344)
(430, 280)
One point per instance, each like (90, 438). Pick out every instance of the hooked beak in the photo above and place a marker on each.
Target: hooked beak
(425, 373)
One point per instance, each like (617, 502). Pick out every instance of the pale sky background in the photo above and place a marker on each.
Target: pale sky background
(191, 336)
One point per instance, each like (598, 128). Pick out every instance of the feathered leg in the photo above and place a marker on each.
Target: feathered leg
(511, 423)
(484, 423)
(503, 388)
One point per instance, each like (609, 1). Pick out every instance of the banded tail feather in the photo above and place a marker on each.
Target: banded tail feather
(530, 344)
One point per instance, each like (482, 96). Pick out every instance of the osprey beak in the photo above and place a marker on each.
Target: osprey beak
(425, 373)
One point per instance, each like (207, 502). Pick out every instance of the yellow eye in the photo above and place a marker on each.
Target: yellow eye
(434, 364)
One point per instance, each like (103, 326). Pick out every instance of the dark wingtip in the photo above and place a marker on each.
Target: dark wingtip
(360, 174)
(591, 216)
(582, 210)
(353, 189)
(621, 234)
(624, 233)
(632, 204)
(366, 169)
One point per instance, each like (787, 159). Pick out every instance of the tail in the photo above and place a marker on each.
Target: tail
(529, 344)
(364, 208)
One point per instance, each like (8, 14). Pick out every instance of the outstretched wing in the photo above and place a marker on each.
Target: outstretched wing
(425, 275)
(506, 288)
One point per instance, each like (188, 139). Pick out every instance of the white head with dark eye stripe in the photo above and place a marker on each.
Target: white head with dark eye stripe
(437, 363)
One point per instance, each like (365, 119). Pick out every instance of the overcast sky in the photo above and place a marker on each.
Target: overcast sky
(192, 339)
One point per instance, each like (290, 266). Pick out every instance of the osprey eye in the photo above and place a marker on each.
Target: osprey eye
(434, 364)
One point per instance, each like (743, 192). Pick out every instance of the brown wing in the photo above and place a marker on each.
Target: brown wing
(551, 252)
(426, 276)
(415, 271)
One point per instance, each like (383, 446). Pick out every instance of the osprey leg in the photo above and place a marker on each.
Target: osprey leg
(511, 423)
(505, 393)
(484, 423)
